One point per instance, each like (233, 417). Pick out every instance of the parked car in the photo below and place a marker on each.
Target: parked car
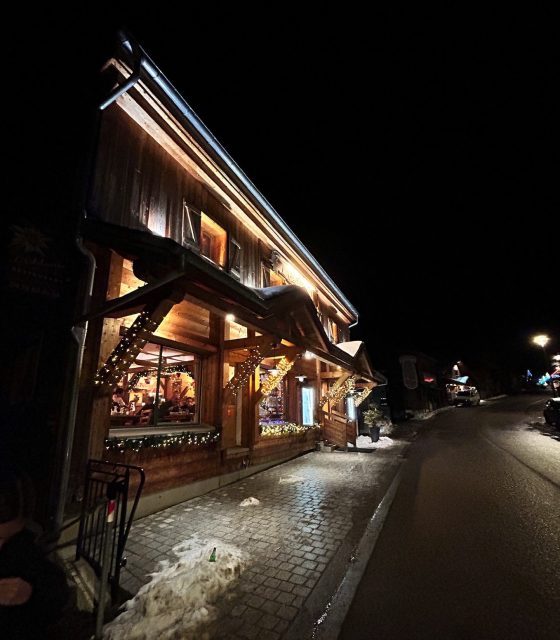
(468, 397)
(552, 412)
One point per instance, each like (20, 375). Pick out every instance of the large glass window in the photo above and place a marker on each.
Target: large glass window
(160, 388)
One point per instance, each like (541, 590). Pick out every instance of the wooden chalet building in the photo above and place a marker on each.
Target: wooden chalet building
(214, 343)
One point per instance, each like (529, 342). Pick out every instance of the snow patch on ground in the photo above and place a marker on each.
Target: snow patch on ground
(364, 442)
(291, 480)
(249, 502)
(179, 599)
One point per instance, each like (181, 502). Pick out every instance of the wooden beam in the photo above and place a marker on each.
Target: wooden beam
(289, 352)
(227, 392)
(336, 385)
(197, 346)
(295, 352)
(250, 343)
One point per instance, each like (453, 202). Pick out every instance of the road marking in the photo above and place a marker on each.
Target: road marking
(329, 625)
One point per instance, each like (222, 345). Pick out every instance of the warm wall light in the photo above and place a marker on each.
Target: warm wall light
(541, 340)
(230, 317)
(308, 355)
(301, 378)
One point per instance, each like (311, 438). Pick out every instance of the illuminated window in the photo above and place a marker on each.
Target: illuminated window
(277, 279)
(307, 405)
(160, 388)
(213, 241)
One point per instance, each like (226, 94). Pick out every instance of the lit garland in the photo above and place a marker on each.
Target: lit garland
(284, 429)
(246, 370)
(273, 379)
(178, 368)
(360, 397)
(125, 352)
(337, 393)
(163, 441)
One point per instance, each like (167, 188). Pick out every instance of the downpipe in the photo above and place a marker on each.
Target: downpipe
(78, 333)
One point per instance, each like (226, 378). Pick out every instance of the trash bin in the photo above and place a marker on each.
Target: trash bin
(374, 433)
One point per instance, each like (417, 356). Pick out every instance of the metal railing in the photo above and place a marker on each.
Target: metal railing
(108, 481)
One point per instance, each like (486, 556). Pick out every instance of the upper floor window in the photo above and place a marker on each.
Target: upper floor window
(213, 241)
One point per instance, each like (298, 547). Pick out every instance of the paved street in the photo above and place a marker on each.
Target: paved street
(471, 545)
(298, 540)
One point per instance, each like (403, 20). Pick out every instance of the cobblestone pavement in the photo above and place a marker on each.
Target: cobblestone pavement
(312, 511)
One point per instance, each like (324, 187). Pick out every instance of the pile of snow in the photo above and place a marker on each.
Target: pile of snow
(179, 599)
(364, 442)
(291, 480)
(249, 502)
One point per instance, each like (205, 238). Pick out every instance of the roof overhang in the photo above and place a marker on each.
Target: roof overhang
(173, 271)
(153, 78)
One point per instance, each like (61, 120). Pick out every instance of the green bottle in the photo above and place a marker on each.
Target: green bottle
(212, 557)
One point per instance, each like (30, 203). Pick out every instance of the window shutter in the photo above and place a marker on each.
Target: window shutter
(235, 258)
(191, 225)
(265, 272)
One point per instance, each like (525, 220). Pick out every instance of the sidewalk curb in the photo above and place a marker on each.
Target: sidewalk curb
(329, 625)
(331, 597)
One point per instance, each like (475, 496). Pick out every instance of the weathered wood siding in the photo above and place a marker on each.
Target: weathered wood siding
(186, 320)
(169, 468)
(138, 184)
(337, 431)
(270, 449)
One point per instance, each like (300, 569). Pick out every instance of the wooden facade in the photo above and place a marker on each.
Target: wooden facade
(182, 244)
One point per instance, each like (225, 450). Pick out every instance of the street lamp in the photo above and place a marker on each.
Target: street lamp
(541, 340)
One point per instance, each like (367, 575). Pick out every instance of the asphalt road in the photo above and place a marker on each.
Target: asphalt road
(471, 546)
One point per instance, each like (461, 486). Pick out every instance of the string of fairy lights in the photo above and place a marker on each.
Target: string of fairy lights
(126, 351)
(284, 429)
(178, 368)
(335, 394)
(360, 397)
(245, 371)
(163, 441)
(272, 380)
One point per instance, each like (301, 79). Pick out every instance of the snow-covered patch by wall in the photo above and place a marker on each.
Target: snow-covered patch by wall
(291, 480)
(249, 502)
(180, 597)
(364, 442)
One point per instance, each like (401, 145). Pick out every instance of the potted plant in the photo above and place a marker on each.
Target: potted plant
(371, 417)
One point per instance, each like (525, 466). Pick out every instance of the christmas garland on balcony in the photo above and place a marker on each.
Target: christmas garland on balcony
(284, 429)
(163, 441)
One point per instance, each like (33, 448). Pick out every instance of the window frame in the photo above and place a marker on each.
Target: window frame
(163, 426)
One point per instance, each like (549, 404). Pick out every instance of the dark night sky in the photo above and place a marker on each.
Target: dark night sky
(420, 170)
